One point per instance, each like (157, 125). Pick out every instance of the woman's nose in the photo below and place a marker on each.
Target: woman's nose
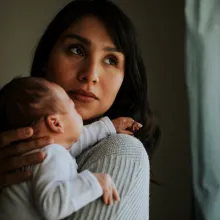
(89, 73)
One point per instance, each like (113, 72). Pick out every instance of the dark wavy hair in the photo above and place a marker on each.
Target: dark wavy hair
(132, 98)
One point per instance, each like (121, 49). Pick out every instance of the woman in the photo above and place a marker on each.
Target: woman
(90, 49)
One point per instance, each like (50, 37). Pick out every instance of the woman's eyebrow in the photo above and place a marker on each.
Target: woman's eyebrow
(88, 42)
(77, 37)
(111, 49)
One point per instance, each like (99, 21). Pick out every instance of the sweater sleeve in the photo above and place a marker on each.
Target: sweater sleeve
(125, 159)
(91, 134)
(58, 189)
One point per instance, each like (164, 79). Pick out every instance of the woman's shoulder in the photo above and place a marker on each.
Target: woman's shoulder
(123, 144)
(121, 141)
(118, 145)
(125, 159)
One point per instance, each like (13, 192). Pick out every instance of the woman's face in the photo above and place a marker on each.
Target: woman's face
(87, 64)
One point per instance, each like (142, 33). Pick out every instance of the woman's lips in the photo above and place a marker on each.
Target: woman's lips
(82, 95)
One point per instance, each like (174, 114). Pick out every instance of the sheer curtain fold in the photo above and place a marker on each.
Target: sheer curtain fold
(203, 84)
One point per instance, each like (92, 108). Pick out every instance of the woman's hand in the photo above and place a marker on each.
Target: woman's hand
(11, 158)
(108, 187)
(126, 125)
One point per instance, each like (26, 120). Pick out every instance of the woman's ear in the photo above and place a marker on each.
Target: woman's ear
(55, 123)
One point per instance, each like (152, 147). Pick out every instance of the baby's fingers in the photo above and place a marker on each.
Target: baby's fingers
(115, 192)
(110, 199)
(136, 126)
(127, 122)
(106, 196)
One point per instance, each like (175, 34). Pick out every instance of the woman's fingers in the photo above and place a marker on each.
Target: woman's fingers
(15, 163)
(24, 147)
(9, 179)
(7, 137)
(11, 149)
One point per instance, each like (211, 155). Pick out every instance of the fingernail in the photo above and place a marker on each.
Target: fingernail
(28, 132)
(140, 125)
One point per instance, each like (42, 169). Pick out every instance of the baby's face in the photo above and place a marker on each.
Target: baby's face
(72, 121)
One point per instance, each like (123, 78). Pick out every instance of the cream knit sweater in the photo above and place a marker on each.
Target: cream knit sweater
(126, 160)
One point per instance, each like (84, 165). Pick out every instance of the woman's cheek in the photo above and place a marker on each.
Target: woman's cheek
(111, 86)
(60, 67)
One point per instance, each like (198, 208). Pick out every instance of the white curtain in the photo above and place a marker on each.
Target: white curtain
(203, 83)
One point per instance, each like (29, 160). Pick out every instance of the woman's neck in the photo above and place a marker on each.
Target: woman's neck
(89, 121)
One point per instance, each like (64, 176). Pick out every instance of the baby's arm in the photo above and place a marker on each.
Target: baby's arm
(91, 134)
(57, 187)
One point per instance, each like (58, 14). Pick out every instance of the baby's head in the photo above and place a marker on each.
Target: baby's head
(36, 102)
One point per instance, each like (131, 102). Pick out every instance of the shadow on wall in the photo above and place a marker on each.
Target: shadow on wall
(161, 29)
(22, 24)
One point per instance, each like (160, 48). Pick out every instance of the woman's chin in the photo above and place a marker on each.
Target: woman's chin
(86, 112)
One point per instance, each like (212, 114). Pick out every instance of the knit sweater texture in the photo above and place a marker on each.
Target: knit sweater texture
(126, 160)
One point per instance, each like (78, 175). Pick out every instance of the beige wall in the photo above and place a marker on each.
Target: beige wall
(21, 25)
(160, 25)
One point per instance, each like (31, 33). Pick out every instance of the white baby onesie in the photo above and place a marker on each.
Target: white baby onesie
(56, 189)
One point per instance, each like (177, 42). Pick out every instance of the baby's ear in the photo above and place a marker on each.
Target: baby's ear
(55, 123)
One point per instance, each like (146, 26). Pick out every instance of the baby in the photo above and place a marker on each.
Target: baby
(56, 189)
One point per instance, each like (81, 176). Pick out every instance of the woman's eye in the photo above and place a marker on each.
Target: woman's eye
(111, 61)
(76, 51)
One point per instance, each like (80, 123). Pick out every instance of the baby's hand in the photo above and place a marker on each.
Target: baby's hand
(126, 125)
(109, 189)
